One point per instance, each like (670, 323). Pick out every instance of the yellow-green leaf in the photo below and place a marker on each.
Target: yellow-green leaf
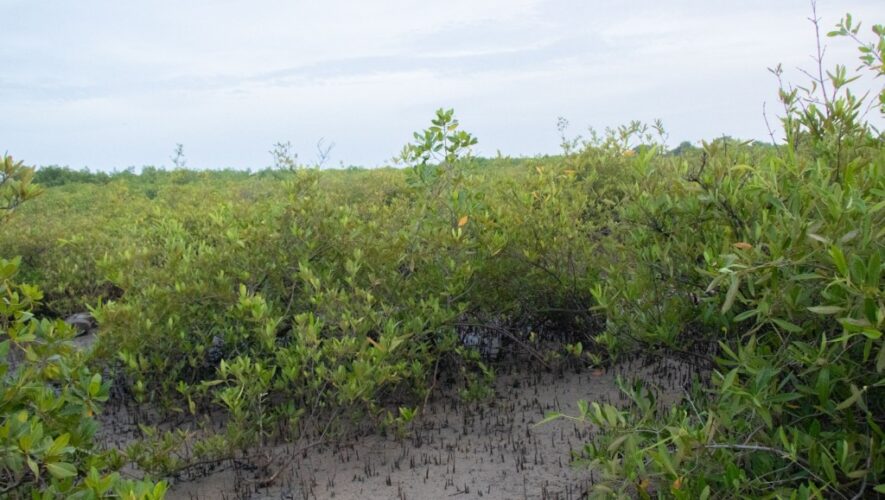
(731, 294)
(61, 470)
(826, 309)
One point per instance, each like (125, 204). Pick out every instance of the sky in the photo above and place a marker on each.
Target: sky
(110, 84)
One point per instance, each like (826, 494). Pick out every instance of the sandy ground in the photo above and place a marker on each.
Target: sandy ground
(489, 450)
(492, 450)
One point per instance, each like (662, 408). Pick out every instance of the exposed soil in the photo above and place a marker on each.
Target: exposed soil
(492, 450)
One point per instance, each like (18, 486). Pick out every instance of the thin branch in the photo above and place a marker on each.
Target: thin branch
(768, 126)
(13, 486)
(776, 451)
(820, 52)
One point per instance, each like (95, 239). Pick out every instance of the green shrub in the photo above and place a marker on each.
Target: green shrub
(48, 397)
(777, 262)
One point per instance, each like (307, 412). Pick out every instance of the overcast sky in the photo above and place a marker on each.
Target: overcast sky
(115, 84)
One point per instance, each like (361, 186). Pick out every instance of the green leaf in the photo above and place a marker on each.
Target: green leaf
(611, 415)
(705, 494)
(613, 447)
(58, 445)
(61, 470)
(857, 474)
(839, 259)
(819, 238)
(872, 333)
(95, 385)
(786, 325)
(880, 359)
(827, 466)
(823, 387)
(729, 380)
(855, 396)
(826, 309)
(732, 293)
(806, 277)
(583, 408)
(745, 315)
(35, 469)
